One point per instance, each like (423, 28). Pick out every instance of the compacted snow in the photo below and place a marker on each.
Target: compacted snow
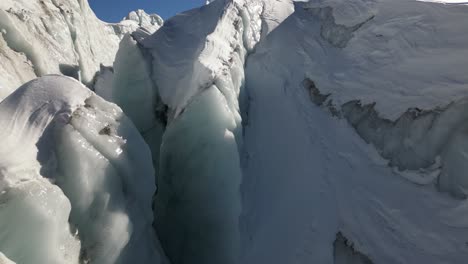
(246, 131)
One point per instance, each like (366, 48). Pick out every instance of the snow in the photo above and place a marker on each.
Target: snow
(446, 1)
(301, 161)
(58, 37)
(68, 155)
(325, 175)
(34, 212)
(198, 68)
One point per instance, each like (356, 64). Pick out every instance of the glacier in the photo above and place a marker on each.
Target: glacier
(74, 172)
(243, 131)
(59, 37)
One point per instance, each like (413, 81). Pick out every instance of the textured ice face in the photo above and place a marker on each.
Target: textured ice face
(71, 156)
(35, 212)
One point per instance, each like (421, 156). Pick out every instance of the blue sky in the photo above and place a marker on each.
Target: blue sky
(115, 10)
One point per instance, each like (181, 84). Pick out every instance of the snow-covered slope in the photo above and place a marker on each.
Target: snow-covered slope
(56, 36)
(67, 155)
(362, 82)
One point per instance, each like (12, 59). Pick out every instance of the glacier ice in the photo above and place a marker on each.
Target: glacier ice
(151, 22)
(131, 86)
(68, 153)
(199, 180)
(34, 222)
(250, 166)
(198, 73)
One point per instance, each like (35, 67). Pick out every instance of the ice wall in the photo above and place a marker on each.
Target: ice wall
(68, 155)
(197, 71)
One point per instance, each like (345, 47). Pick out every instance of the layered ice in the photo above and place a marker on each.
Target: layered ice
(130, 85)
(197, 71)
(199, 180)
(70, 156)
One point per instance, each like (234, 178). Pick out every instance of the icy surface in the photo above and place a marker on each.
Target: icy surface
(63, 134)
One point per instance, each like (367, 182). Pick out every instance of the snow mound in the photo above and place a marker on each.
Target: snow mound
(70, 156)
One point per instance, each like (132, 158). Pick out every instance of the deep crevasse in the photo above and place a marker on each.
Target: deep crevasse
(197, 72)
(289, 182)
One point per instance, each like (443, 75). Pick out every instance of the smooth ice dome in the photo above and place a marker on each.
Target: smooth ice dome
(243, 131)
(70, 159)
